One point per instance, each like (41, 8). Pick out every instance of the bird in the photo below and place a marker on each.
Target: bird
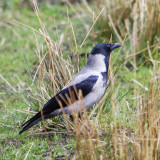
(91, 82)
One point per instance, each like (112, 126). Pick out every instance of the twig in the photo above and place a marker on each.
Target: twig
(28, 151)
(92, 27)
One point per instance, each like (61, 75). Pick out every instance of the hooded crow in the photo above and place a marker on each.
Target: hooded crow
(91, 82)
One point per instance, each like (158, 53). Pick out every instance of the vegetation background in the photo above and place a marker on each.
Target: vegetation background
(44, 44)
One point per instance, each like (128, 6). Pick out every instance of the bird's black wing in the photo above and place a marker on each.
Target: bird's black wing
(85, 86)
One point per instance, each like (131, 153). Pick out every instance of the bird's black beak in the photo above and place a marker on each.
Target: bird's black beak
(115, 45)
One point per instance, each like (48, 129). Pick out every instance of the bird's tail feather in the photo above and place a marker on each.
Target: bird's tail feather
(29, 125)
(33, 121)
(38, 115)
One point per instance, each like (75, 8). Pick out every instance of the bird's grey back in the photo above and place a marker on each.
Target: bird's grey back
(95, 66)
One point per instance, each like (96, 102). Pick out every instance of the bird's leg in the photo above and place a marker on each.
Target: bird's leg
(72, 117)
(79, 117)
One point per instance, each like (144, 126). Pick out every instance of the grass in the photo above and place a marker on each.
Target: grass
(123, 125)
(17, 41)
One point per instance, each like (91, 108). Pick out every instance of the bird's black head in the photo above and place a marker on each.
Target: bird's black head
(105, 48)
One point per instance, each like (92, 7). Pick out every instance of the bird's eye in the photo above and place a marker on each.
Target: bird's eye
(109, 45)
